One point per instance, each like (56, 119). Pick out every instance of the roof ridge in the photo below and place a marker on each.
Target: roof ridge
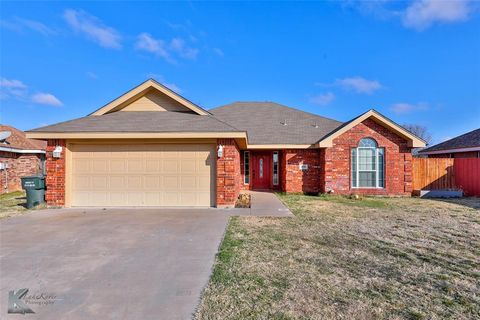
(278, 104)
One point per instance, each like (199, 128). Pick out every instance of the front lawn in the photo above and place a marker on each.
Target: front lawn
(339, 258)
(12, 203)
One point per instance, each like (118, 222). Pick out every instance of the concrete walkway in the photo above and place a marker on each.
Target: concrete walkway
(264, 204)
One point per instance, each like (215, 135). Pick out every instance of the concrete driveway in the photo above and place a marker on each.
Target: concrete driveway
(109, 264)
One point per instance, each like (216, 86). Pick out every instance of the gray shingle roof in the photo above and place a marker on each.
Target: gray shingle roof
(467, 140)
(141, 121)
(263, 122)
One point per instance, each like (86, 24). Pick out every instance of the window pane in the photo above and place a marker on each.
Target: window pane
(367, 143)
(275, 168)
(366, 159)
(246, 167)
(367, 179)
(354, 167)
(381, 174)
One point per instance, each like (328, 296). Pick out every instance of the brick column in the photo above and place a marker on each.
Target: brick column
(228, 173)
(55, 180)
(408, 172)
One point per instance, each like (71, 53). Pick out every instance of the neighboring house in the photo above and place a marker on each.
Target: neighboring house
(19, 157)
(152, 147)
(465, 146)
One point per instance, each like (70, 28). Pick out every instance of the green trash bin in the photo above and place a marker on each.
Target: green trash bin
(35, 189)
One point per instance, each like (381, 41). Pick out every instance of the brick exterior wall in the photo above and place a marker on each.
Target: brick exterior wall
(19, 165)
(55, 180)
(293, 179)
(398, 161)
(228, 173)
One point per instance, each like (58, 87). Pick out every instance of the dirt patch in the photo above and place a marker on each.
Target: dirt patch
(341, 258)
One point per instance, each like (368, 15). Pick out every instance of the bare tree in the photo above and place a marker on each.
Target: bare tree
(419, 131)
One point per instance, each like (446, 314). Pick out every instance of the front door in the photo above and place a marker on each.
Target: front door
(261, 171)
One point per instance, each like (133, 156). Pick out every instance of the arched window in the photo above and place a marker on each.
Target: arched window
(368, 165)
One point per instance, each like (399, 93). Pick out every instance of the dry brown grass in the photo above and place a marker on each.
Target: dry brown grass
(13, 203)
(399, 258)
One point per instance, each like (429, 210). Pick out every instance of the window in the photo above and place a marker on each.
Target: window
(368, 165)
(275, 168)
(246, 167)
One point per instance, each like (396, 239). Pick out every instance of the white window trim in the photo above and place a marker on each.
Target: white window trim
(377, 171)
(245, 153)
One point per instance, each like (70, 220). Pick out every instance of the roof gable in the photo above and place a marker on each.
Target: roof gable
(414, 141)
(150, 96)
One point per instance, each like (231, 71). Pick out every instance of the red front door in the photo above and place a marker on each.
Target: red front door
(261, 171)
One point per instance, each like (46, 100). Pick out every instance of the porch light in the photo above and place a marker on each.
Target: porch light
(220, 151)
(57, 152)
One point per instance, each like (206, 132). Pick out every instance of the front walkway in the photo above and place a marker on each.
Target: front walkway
(264, 204)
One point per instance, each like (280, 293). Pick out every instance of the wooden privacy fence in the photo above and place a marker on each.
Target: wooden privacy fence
(446, 173)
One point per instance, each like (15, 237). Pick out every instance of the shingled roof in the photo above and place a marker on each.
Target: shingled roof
(141, 121)
(468, 140)
(18, 140)
(273, 123)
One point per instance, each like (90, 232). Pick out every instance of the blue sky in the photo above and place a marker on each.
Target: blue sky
(415, 61)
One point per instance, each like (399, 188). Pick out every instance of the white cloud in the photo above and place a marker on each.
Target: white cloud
(46, 98)
(148, 43)
(177, 47)
(82, 22)
(403, 107)
(421, 14)
(218, 52)
(19, 24)
(359, 84)
(12, 87)
(323, 99)
(12, 84)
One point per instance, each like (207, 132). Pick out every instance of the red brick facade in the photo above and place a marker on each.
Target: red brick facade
(19, 165)
(293, 178)
(326, 170)
(398, 161)
(228, 173)
(55, 180)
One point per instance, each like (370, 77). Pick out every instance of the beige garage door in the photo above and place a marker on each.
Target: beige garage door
(142, 175)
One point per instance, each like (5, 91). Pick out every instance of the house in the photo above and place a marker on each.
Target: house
(153, 147)
(465, 146)
(19, 157)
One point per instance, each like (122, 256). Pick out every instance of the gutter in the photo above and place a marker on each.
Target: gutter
(20, 150)
(450, 150)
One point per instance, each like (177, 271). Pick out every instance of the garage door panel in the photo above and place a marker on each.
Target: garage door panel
(99, 182)
(117, 165)
(142, 175)
(118, 199)
(170, 166)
